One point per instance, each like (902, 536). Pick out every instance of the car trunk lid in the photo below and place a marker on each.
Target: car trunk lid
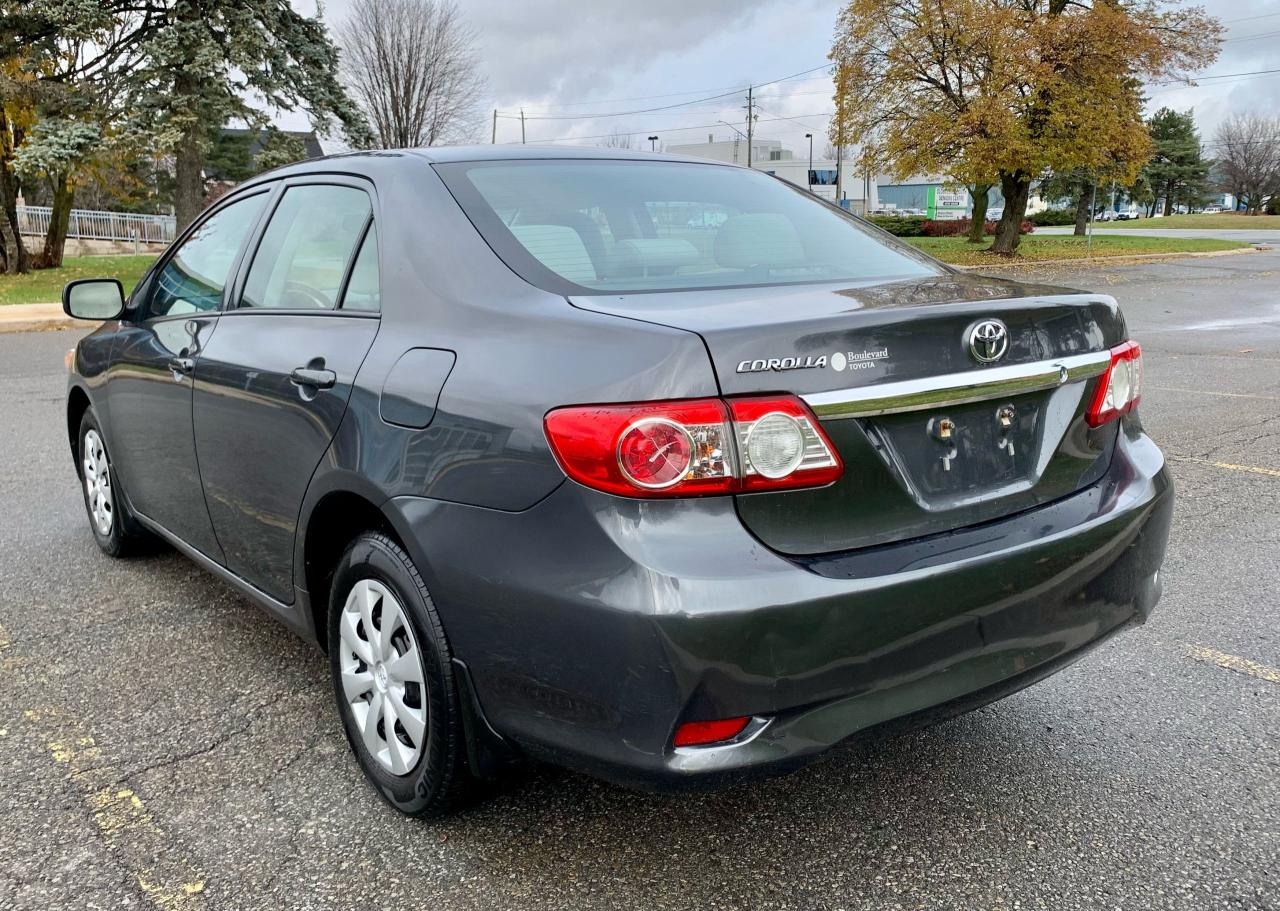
(932, 438)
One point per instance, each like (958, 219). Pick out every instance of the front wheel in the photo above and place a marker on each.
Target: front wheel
(113, 525)
(393, 679)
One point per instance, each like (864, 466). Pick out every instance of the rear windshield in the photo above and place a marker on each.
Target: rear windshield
(605, 227)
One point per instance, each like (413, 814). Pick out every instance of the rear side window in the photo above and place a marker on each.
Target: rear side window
(307, 247)
(193, 279)
(609, 226)
(364, 291)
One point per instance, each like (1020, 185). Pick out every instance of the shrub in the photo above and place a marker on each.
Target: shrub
(961, 226)
(1054, 217)
(900, 225)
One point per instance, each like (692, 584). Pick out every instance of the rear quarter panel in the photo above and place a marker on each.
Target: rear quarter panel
(519, 352)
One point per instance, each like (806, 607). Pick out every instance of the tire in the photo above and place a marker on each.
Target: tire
(420, 765)
(114, 527)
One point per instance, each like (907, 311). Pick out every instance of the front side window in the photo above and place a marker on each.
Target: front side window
(306, 248)
(193, 279)
(603, 227)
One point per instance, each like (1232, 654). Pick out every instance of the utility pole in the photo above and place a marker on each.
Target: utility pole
(809, 136)
(653, 143)
(494, 140)
(522, 126)
(751, 117)
(839, 149)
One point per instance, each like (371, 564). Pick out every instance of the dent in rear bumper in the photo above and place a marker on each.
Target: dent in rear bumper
(593, 625)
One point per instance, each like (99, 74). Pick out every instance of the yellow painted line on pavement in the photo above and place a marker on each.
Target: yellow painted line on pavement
(1235, 663)
(123, 819)
(5, 641)
(1229, 466)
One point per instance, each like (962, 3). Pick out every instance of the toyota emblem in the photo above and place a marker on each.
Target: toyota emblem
(988, 341)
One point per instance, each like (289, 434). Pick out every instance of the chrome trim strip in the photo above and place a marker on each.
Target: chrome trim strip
(956, 388)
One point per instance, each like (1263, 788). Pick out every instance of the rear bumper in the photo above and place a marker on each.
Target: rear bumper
(593, 625)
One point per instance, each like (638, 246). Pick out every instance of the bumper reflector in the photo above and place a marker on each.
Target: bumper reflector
(701, 733)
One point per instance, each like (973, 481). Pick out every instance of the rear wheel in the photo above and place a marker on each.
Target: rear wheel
(393, 679)
(114, 527)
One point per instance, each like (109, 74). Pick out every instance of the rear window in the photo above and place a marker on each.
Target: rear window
(605, 227)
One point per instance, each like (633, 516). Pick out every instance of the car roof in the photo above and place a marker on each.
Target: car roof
(513, 152)
(380, 159)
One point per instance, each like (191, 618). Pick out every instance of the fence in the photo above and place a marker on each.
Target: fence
(92, 225)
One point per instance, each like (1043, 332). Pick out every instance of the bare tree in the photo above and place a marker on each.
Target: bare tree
(412, 66)
(616, 140)
(1248, 152)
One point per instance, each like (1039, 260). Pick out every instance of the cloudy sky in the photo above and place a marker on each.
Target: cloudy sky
(569, 62)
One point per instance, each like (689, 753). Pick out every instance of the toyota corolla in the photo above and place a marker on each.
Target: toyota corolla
(656, 468)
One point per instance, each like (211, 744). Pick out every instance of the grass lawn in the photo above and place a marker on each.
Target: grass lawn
(959, 252)
(44, 286)
(1231, 220)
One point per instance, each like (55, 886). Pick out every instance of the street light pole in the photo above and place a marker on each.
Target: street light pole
(653, 143)
(809, 136)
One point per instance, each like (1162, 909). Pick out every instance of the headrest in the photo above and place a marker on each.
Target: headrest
(761, 239)
(653, 253)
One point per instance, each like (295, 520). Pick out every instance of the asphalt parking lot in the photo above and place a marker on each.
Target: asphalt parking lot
(165, 745)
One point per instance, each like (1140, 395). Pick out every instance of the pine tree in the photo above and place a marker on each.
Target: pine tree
(210, 60)
(1178, 170)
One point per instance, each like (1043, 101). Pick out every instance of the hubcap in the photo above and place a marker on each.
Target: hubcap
(382, 676)
(97, 483)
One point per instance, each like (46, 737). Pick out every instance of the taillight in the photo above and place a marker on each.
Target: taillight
(694, 447)
(1121, 386)
(781, 445)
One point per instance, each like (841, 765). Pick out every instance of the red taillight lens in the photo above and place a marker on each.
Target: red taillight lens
(646, 450)
(701, 733)
(1121, 386)
(693, 447)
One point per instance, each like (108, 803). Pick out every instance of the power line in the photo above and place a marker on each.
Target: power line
(792, 119)
(1218, 76)
(570, 104)
(704, 126)
(1251, 37)
(667, 107)
(725, 94)
(1251, 18)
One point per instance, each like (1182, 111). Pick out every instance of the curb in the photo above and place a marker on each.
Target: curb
(1118, 260)
(43, 324)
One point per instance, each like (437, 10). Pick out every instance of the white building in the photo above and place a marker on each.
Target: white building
(769, 156)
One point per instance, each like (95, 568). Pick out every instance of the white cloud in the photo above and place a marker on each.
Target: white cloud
(585, 57)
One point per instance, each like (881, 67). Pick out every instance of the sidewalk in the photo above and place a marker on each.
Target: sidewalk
(37, 318)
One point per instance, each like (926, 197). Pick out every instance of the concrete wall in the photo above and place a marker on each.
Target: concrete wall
(78, 247)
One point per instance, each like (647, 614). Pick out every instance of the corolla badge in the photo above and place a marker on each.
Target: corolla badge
(988, 340)
(759, 365)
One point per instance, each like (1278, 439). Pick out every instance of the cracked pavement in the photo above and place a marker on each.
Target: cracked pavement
(165, 745)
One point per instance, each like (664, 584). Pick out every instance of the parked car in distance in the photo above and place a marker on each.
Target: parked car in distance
(547, 473)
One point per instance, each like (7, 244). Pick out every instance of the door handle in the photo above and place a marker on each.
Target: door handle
(316, 379)
(182, 365)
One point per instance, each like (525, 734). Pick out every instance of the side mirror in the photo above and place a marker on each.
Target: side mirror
(93, 298)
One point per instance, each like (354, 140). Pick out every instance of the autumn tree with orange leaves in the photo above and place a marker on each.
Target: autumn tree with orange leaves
(1005, 91)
